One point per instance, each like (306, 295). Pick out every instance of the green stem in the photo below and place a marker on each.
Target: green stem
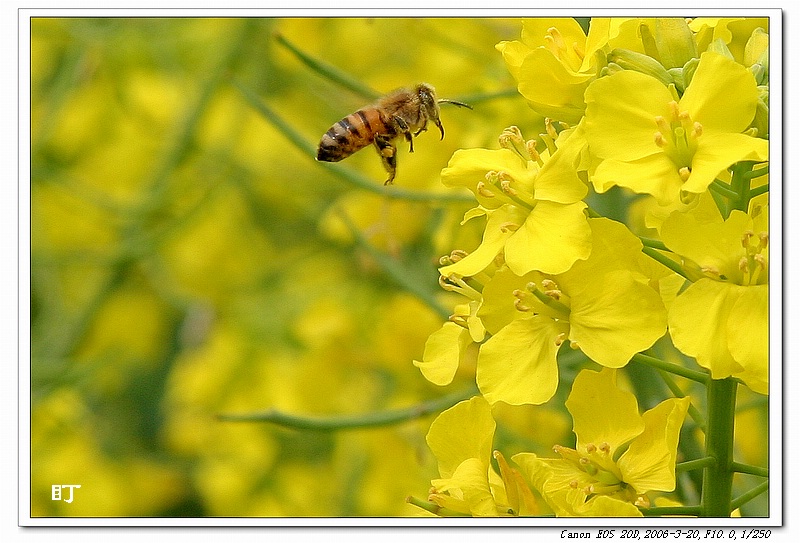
(752, 174)
(653, 243)
(396, 270)
(666, 261)
(750, 470)
(749, 495)
(434, 508)
(718, 478)
(700, 463)
(758, 191)
(329, 71)
(694, 413)
(724, 189)
(740, 183)
(685, 510)
(350, 422)
(669, 367)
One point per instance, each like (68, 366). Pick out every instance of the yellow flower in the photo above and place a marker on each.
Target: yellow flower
(652, 142)
(619, 456)
(555, 60)
(603, 306)
(532, 204)
(461, 439)
(722, 318)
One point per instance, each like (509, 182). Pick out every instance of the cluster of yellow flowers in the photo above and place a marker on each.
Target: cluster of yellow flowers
(675, 112)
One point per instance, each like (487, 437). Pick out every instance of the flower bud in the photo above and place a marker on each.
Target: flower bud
(718, 46)
(631, 60)
(755, 47)
(688, 71)
(674, 41)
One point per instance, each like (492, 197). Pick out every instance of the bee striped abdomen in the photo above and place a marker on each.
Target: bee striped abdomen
(351, 134)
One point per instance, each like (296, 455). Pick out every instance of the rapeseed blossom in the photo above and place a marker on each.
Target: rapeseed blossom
(461, 439)
(722, 318)
(529, 200)
(620, 456)
(671, 147)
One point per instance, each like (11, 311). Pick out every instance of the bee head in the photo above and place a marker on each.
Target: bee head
(427, 98)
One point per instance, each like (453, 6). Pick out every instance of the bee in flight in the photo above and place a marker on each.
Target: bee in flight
(403, 112)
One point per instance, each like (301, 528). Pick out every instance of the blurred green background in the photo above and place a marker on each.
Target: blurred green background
(189, 258)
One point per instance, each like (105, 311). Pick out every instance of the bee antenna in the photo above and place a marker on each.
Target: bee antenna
(455, 103)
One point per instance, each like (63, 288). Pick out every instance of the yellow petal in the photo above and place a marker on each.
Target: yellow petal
(649, 462)
(551, 239)
(442, 354)
(748, 332)
(462, 432)
(616, 318)
(722, 95)
(518, 364)
(698, 325)
(601, 412)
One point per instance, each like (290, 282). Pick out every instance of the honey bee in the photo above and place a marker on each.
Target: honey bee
(403, 112)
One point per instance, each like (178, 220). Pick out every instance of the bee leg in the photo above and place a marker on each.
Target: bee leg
(388, 153)
(403, 126)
